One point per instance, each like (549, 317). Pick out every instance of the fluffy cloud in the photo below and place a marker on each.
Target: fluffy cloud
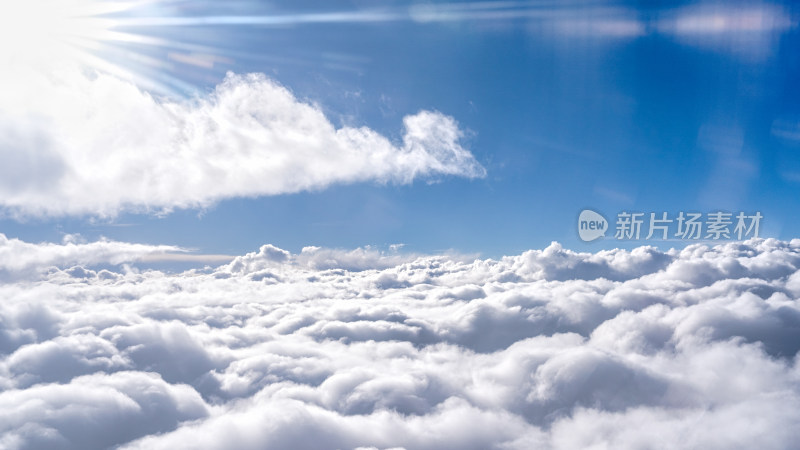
(21, 259)
(78, 144)
(362, 349)
(95, 411)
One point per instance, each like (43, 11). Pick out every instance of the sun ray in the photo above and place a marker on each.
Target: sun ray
(49, 36)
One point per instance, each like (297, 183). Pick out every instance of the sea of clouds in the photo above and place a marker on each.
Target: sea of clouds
(692, 348)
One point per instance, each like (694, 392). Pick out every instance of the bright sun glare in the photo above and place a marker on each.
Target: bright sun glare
(49, 32)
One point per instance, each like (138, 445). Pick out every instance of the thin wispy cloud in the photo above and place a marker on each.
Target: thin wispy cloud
(20, 259)
(611, 19)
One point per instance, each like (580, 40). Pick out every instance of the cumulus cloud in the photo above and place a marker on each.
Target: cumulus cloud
(269, 256)
(95, 411)
(366, 349)
(21, 259)
(94, 144)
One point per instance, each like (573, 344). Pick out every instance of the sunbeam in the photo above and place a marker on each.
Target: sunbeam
(45, 33)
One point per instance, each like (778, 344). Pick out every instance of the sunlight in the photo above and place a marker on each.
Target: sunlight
(47, 33)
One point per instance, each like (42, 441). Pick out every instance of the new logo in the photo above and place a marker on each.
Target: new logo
(591, 225)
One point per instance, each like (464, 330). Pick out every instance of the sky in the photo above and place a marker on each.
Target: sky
(399, 225)
(527, 114)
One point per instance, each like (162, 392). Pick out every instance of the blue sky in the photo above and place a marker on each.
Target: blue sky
(613, 106)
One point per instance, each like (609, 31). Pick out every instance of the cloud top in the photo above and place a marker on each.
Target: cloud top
(362, 349)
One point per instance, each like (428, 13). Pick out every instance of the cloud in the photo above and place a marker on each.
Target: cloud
(94, 411)
(22, 259)
(320, 258)
(77, 144)
(367, 349)
(750, 31)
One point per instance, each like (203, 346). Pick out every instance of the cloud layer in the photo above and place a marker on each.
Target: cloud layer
(20, 260)
(78, 144)
(328, 349)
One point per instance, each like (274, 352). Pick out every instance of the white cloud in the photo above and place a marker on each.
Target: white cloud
(548, 349)
(19, 258)
(720, 19)
(750, 31)
(94, 411)
(78, 144)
